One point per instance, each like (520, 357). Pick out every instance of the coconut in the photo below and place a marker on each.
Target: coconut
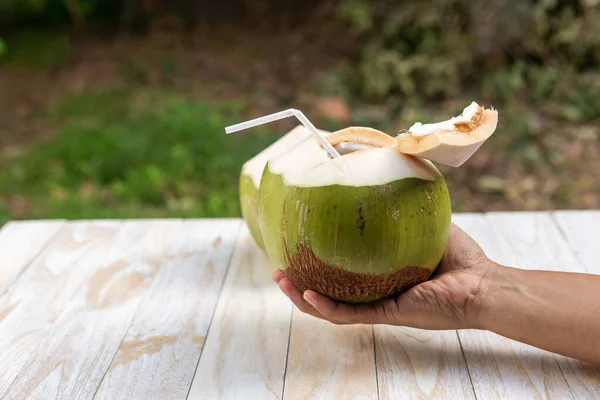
(450, 142)
(360, 227)
(251, 175)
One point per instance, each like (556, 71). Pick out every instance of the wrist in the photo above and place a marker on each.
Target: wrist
(498, 281)
(493, 278)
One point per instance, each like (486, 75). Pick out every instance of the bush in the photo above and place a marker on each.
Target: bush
(2, 47)
(128, 14)
(132, 153)
(538, 51)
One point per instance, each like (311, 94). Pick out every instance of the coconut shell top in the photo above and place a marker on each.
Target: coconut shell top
(254, 167)
(450, 142)
(370, 157)
(252, 172)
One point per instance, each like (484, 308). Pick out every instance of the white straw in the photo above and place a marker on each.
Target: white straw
(292, 112)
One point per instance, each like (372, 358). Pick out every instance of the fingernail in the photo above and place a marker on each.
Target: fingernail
(307, 296)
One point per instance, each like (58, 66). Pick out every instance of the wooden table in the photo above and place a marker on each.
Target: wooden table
(169, 309)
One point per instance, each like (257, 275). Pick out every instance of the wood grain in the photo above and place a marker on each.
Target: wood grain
(582, 232)
(540, 244)
(502, 368)
(20, 243)
(244, 355)
(124, 310)
(74, 354)
(158, 356)
(326, 361)
(419, 364)
(32, 304)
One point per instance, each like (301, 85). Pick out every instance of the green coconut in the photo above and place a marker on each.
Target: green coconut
(361, 227)
(251, 173)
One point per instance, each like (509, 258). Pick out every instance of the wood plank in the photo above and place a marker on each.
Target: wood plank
(244, 355)
(501, 368)
(418, 364)
(539, 244)
(535, 241)
(20, 242)
(327, 361)
(159, 354)
(73, 355)
(31, 305)
(582, 231)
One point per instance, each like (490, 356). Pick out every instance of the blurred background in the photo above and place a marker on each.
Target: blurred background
(116, 108)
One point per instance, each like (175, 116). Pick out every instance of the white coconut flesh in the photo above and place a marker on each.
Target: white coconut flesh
(450, 142)
(255, 166)
(370, 159)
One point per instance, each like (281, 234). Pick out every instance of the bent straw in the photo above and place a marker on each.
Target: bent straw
(292, 112)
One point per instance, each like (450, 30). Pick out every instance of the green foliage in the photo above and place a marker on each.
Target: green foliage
(3, 48)
(24, 6)
(50, 11)
(414, 50)
(536, 51)
(133, 154)
(38, 50)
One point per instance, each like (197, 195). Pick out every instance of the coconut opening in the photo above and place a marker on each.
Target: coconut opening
(354, 139)
(347, 147)
(372, 159)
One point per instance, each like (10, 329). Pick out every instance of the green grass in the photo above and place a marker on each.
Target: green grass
(36, 50)
(131, 154)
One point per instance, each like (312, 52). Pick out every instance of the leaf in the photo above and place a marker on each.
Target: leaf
(491, 184)
(357, 12)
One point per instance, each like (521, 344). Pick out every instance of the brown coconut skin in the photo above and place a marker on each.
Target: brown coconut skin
(306, 270)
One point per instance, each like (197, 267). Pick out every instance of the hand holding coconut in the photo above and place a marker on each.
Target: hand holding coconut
(555, 311)
(450, 299)
(358, 224)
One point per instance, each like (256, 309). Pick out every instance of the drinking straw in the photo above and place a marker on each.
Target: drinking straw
(292, 112)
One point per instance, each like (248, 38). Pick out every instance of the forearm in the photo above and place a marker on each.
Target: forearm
(555, 311)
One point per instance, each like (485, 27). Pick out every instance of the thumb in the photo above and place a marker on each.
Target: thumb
(424, 307)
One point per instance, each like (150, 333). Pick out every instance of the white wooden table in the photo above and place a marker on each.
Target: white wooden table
(169, 309)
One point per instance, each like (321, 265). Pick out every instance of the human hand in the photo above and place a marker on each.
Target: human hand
(451, 299)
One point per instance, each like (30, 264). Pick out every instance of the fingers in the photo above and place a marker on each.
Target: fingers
(278, 275)
(288, 288)
(322, 307)
(462, 241)
(369, 313)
